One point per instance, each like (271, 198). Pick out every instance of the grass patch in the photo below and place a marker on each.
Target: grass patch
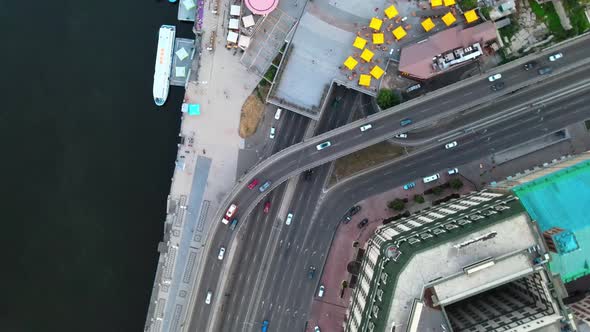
(546, 13)
(577, 15)
(467, 4)
(364, 159)
(271, 73)
(251, 114)
(510, 30)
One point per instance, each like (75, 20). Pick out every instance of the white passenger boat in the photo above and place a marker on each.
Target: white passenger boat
(163, 63)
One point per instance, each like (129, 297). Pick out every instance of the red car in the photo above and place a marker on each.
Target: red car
(253, 184)
(266, 207)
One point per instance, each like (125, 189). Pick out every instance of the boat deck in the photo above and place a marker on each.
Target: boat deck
(182, 61)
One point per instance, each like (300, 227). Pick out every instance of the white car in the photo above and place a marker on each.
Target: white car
(221, 253)
(495, 77)
(453, 171)
(403, 135)
(321, 291)
(323, 145)
(366, 127)
(272, 132)
(451, 145)
(289, 219)
(316, 329)
(278, 113)
(556, 56)
(208, 298)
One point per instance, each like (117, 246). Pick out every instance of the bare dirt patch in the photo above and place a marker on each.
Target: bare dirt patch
(252, 112)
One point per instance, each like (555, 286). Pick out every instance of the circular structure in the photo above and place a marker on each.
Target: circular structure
(392, 252)
(262, 7)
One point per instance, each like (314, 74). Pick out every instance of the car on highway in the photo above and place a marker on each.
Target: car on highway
(264, 186)
(321, 291)
(253, 184)
(545, 70)
(453, 171)
(363, 223)
(409, 186)
(366, 127)
(431, 178)
(530, 65)
(556, 56)
(233, 224)
(272, 133)
(351, 212)
(221, 253)
(266, 207)
(451, 145)
(311, 272)
(289, 219)
(402, 135)
(498, 86)
(405, 122)
(316, 329)
(229, 213)
(495, 77)
(208, 298)
(307, 175)
(323, 145)
(278, 113)
(264, 326)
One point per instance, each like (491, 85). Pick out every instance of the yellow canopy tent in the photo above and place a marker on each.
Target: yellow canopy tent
(391, 11)
(365, 80)
(350, 63)
(399, 33)
(427, 24)
(449, 2)
(375, 23)
(435, 3)
(449, 19)
(378, 38)
(367, 55)
(471, 16)
(377, 72)
(359, 43)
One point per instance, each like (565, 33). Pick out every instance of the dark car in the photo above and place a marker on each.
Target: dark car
(498, 86)
(311, 272)
(233, 224)
(307, 175)
(530, 65)
(354, 210)
(363, 223)
(545, 70)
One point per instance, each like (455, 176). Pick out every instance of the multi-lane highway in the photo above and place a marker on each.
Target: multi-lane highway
(278, 282)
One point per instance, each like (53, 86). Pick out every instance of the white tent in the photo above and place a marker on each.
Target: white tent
(244, 42)
(234, 24)
(235, 10)
(232, 37)
(248, 21)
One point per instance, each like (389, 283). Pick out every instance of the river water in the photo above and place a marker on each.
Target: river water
(86, 162)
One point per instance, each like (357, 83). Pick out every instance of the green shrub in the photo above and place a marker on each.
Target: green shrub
(387, 98)
(456, 184)
(419, 199)
(397, 204)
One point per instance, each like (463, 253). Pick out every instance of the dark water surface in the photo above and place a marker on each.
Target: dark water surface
(86, 162)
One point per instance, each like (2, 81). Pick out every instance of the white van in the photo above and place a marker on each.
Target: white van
(431, 178)
(208, 299)
(278, 114)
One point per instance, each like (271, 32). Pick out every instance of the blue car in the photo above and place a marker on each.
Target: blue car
(409, 186)
(405, 122)
(265, 326)
(264, 186)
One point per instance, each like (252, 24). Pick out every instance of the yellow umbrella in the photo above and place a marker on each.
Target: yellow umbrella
(359, 43)
(449, 2)
(427, 24)
(471, 16)
(350, 63)
(378, 38)
(449, 19)
(375, 23)
(367, 55)
(399, 33)
(377, 72)
(365, 80)
(436, 3)
(391, 11)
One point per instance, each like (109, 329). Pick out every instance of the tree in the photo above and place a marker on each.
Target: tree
(387, 98)
(397, 204)
(437, 190)
(456, 184)
(467, 4)
(419, 199)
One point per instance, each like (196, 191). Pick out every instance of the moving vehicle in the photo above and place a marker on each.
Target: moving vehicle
(363, 223)
(264, 326)
(230, 213)
(556, 56)
(233, 224)
(311, 272)
(307, 175)
(272, 133)
(323, 145)
(451, 145)
(266, 207)
(402, 135)
(366, 127)
(351, 212)
(321, 291)
(289, 219)
(253, 184)
(495, 77)
(431, 178)
(278, 113)
(530, 65)
(545, 70)
(316, 329)
(409, 186)
(208, 298)
(221, 253)
(405, 122)
(453, 171)
(163, 63)
(264, 186)
(498, 86)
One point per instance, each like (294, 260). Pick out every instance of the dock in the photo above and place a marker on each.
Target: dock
(184, 52)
